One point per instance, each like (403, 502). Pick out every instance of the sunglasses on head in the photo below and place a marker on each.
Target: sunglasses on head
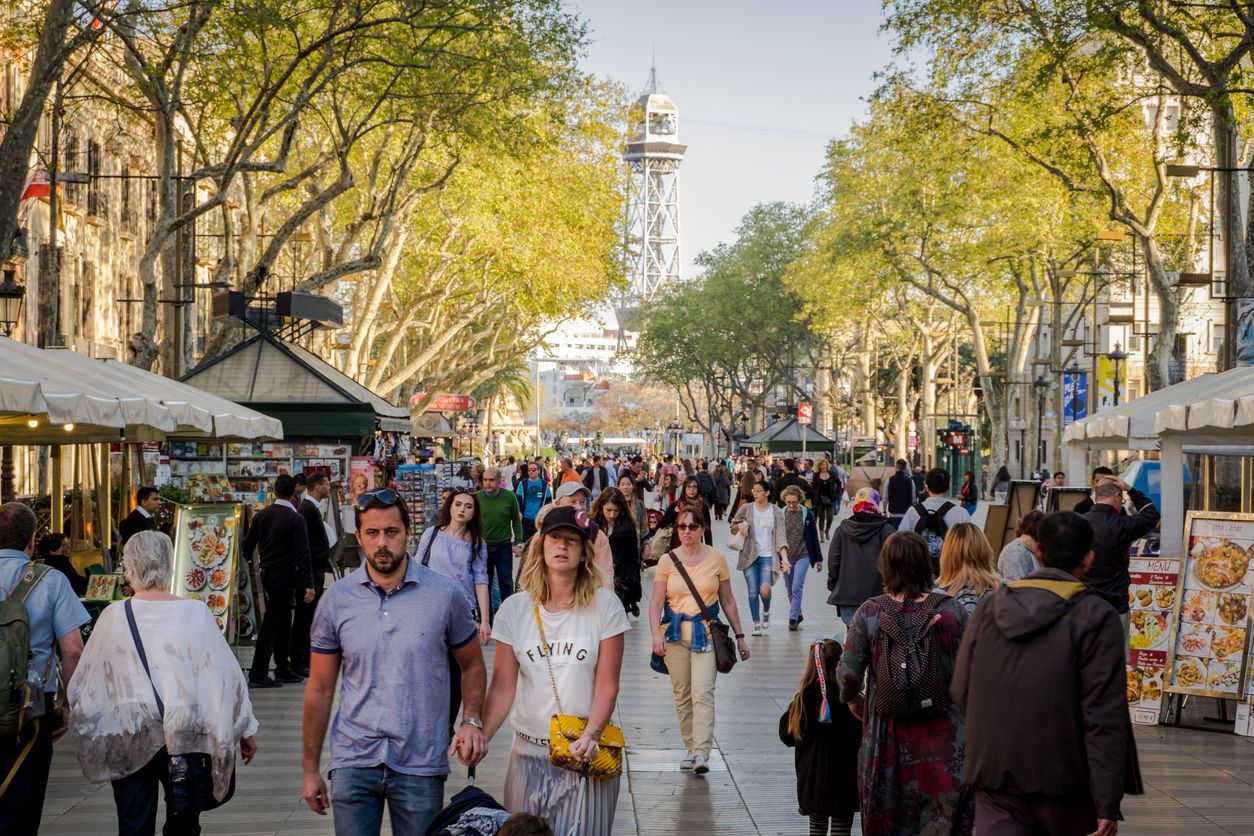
(689, 526)
(382, 498)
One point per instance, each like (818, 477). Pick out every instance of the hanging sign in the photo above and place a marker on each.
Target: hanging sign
(444, 403)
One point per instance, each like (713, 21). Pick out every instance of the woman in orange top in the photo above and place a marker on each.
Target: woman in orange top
(686, 644)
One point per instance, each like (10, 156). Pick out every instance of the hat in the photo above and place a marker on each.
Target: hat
(565, 517)
(866, 500)
(570, 489)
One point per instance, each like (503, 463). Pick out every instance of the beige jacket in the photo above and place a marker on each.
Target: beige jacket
(748, 552)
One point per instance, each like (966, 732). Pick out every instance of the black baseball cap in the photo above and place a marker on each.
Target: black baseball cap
(566, 517)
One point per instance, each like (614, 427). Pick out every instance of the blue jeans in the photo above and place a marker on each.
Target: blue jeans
(795, 583)
(357, 797)
(846, 613)
(501, 566)
(757, 574)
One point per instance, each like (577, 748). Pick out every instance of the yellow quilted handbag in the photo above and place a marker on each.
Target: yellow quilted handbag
(565, 729)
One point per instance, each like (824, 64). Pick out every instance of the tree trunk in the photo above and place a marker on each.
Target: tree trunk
(1228, 196)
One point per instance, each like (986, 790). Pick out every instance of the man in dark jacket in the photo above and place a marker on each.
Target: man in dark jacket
(143, 517)
(1113, 533)
(853, 573)
(790, 477)
(900, 493)
(596, 477)
(282, 541)
(309, 506)
(1042, 660)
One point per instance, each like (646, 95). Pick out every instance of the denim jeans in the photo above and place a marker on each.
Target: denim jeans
(501, 566)
(357, 797)
(846, 613)
(795, 583)
(757, 574)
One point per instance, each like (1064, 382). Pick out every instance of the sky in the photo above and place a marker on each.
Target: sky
(761, 89)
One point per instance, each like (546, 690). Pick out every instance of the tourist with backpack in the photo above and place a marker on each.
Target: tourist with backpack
(895, 675)
(932, 517)
(38, 608)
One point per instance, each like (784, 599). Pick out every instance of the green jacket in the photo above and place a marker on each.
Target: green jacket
(502, 522)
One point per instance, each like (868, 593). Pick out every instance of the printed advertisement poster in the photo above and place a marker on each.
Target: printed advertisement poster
(1106, 381)
(1208, 644)
(1075, 397)
(1151, 599)
(206, 546)
(361, 477)
(1243, 340)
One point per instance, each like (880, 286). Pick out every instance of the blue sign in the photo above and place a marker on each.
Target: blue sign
(1075, 397)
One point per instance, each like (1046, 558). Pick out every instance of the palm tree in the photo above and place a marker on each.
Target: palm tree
(512, 381)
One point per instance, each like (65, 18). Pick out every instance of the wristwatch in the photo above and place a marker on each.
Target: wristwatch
(473, 721)
(740, 635)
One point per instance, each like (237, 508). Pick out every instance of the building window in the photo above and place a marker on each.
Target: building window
(126, 207)
(70, 162)
(95, 202)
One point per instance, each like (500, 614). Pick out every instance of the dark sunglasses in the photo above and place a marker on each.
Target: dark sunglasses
(382, 498)
(689, 526)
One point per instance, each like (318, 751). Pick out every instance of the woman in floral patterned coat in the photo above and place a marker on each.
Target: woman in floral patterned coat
(910, 769)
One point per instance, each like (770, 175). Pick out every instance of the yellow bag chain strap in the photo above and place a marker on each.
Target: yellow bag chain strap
(546, 652)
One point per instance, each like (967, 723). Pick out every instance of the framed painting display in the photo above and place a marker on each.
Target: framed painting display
(206, 559)
(1209, 630)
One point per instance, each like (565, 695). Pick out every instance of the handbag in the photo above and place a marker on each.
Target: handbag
(191, 775)
(736, 542)
(565, 729)
(725, 656)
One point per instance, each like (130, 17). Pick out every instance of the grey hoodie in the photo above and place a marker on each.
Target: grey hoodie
(852, 572)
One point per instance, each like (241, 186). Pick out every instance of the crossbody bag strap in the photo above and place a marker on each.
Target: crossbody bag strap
(143, 657)
(692, 587)
(546, 652)
(426, 553)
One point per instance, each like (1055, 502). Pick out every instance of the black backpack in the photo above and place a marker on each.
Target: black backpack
(910, 677)
(932, 527)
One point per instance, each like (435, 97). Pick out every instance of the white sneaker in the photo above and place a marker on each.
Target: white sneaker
(701, 764)
(757, 629)
(689, 762)
(766, 620)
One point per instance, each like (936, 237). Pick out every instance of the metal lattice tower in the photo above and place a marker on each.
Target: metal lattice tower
(654, 155)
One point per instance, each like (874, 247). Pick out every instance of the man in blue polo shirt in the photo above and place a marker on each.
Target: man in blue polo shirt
(389, 628)
(55, 616)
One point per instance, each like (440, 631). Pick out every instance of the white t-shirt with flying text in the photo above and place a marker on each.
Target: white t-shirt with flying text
(575, 638)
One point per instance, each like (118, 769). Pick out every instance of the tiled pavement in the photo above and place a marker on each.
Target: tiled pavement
(1197, 783)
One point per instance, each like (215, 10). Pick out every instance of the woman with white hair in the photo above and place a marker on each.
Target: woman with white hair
(182, 695)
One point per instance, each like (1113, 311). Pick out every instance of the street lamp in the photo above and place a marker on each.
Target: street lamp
(1041, 385)
(12, 301)
(1118, 356)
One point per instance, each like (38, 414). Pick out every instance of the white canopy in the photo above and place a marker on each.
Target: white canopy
(73, 399)
(199, 414)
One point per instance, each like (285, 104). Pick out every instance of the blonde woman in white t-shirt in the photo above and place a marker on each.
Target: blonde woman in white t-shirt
(584, 625)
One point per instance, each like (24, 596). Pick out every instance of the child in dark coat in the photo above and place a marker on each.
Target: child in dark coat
(827, 738)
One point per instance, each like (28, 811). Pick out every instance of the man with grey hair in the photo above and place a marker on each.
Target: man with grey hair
(55, 615)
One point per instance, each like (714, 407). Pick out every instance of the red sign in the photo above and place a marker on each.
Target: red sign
(805, 413)
(444, 403)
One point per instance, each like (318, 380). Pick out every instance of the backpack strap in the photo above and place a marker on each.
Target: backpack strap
(34, 574)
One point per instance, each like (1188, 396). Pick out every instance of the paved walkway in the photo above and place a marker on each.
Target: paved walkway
(1198, 783)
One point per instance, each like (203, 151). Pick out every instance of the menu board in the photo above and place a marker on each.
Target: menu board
(247, 619)
(1151, 599)
(1212, 608)
(102, 587)
(206, 558)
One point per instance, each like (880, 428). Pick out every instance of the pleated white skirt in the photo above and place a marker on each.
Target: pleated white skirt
(533, 785)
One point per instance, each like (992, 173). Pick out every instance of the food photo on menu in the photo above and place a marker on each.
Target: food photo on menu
(1210, 641)
(204, 554)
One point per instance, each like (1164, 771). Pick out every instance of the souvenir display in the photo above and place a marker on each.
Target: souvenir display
(417, 484)
(1208, 646)
(206, 547)
(1151, 599)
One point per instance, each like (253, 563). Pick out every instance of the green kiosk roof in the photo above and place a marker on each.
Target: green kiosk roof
(311, 397)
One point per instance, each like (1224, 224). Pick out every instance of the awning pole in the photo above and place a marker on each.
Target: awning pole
(106, 504)
(58, 490)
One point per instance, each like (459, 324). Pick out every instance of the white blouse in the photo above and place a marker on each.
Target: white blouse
(112, 706)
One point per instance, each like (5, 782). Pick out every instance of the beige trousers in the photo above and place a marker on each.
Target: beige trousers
(692, 678)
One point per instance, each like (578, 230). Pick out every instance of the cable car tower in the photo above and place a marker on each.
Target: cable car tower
(653, 154)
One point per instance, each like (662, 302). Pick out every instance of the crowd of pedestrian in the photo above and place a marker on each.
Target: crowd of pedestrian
(952, 654)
